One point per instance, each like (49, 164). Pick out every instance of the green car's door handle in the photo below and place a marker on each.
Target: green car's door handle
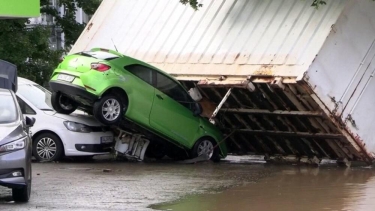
(160, 97)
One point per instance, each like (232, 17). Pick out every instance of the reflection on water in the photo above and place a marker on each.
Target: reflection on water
(292, 188)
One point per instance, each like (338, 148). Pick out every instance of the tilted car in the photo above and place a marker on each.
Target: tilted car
(111, 86)
(55, 135)
(15, 147)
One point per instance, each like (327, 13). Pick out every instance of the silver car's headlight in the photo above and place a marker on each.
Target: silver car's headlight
(13, 146)
(77, 127)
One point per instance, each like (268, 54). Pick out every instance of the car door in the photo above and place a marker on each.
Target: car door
(171, 113)
(142, 94)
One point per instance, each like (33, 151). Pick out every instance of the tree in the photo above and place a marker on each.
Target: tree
(195, 5)
(67, 20)
(28, 46)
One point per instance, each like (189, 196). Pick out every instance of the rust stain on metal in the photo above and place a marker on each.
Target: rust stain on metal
(264, 79)
(89, 26)
(238, 55)
(361, 144)
(264, 70)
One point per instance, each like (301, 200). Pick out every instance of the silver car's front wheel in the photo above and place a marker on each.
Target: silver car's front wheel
(47, 147)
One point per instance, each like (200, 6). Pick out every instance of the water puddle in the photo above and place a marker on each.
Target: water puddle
(288, 189)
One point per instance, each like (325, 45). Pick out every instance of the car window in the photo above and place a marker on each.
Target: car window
(141, 72)
(35, 94)
(26, 109)
(8, 109)
(173, 90)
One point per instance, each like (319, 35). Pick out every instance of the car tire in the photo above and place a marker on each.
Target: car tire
(47, 147)
(205, 145)
(109, 110)
(62, 104)
(22, 194)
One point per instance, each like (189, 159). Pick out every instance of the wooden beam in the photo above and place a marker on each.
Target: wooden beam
(275, 112)
(292, 134)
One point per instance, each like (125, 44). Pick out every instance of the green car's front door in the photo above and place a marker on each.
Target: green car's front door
(170, 113)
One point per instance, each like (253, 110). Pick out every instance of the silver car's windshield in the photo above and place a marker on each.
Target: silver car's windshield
(35, 94)
(8, 111)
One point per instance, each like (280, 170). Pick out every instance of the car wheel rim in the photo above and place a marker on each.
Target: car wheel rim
(46, 148)
(65, 103)
(111, 109)
(206, 147)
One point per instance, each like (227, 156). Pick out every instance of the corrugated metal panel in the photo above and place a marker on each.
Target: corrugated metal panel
(342, 74)
(241, 38)
(251, 37)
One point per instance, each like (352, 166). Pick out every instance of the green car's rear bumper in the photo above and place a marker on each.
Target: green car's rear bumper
(68, 88)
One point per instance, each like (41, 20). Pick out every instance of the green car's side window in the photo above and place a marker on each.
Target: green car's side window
(173, 90)
(141, 72)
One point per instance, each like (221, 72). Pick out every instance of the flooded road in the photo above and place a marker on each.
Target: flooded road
(203, 186)
(125, 185)
(291, 188)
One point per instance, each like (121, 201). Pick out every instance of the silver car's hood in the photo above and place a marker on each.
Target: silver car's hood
(76, 117)
(11, 132)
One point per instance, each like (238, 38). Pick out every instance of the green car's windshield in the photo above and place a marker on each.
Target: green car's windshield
(36, 95)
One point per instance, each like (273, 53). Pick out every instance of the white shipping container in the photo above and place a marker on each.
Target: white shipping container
(301, 76)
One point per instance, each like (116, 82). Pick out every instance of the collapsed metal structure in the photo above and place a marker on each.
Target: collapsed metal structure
(282, 121)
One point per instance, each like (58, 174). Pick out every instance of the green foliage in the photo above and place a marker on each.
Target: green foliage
(28, 47)
(193, 3)
(67, 21)
(317, 3)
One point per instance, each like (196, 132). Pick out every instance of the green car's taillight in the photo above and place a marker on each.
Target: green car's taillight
(100, 67)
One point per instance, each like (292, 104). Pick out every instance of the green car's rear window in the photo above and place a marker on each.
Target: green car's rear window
(99, 55)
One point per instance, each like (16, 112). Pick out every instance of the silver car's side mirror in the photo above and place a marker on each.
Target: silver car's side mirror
(30, 121)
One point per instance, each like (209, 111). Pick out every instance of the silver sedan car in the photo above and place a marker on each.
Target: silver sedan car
(15, 147)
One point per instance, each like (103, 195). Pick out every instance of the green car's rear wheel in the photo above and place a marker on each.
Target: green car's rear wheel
(109, 109)
(62, 104)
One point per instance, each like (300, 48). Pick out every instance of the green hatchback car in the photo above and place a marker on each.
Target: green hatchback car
(115, 88)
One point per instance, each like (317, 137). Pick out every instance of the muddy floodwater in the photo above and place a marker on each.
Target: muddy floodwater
(203, 186)
(291, 188)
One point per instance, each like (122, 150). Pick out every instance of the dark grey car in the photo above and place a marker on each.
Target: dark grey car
(15, 147)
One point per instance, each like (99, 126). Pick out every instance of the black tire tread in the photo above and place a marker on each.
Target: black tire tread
(21, 194)
(56, 105)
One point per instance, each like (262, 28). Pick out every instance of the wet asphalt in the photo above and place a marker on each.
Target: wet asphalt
(202, 186)
(125, 185)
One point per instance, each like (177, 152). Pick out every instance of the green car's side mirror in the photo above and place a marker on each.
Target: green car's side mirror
(197, 109)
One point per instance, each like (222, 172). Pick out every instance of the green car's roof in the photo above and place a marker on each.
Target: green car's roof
(108, 55)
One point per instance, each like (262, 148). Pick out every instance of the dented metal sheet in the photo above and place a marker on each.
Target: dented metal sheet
(301, 78)
(224, 37)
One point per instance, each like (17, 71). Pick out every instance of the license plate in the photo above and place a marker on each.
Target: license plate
(64, 77)
(106, 139)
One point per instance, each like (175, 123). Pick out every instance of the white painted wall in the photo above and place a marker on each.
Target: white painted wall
(344, 69)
